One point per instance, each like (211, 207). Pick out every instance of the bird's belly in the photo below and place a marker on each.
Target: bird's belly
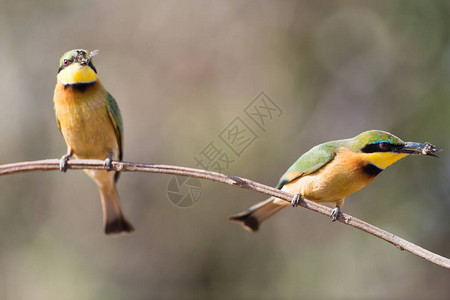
(88, 132)
(326, 187)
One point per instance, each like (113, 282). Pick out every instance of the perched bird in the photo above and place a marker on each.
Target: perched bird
(331, 171)
(90, 122)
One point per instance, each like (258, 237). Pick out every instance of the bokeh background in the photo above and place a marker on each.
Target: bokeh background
(181, 72)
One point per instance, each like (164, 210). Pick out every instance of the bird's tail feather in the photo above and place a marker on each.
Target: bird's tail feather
(255, 215)
(113, 218)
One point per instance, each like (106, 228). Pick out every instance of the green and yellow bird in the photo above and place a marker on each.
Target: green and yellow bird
(90, 122)
(331, 171)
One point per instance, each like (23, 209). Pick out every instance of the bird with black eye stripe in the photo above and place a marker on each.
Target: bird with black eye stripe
(90, 122)
(331, 171)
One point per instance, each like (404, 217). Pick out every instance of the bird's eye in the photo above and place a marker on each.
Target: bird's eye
(65, 62)
(384, 145)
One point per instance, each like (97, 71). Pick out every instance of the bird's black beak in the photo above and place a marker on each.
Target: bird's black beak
(418, 149)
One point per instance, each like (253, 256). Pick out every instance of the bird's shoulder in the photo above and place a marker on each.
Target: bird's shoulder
(310, 162)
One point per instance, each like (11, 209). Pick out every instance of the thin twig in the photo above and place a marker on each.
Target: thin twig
(53, 164)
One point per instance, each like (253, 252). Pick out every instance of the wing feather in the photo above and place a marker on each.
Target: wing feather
(308, 163)
(116, 120)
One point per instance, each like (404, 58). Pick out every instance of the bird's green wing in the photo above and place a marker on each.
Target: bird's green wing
(308, 163)
(116, 120)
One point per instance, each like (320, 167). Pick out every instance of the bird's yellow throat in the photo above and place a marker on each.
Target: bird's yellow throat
(77, 73)
(383, 159)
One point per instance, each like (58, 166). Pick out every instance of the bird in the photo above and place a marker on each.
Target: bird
(331, 171)
(90, 122)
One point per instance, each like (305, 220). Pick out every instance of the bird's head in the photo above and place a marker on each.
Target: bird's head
(382, 148)
(75, 66)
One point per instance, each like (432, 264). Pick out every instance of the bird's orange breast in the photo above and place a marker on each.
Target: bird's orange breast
(344, 175)
(84, 121)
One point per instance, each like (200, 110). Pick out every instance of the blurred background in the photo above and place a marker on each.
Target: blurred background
(181, 73)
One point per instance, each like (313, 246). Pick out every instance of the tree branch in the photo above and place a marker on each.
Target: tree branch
(53, 164)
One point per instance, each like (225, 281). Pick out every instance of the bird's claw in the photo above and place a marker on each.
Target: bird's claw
(335, 213)
(108, 163)
(296, 200)
(63, 162)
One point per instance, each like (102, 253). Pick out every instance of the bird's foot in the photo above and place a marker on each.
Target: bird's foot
(108, 163)
(296, 200)
(335, 213)
(63, 162)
